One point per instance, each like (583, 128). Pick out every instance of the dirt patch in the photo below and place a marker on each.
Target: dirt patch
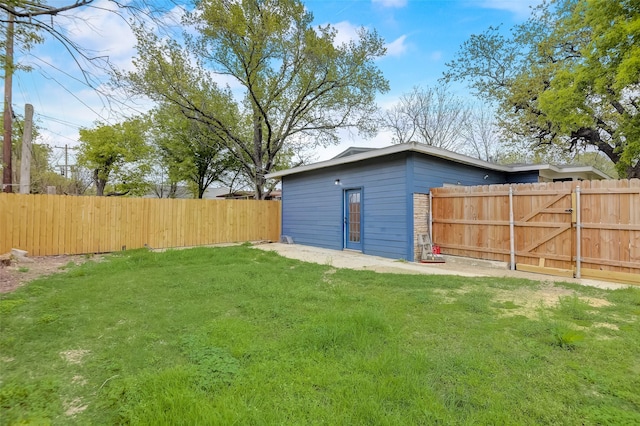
(595, 302)
(528, 301)
(520, 301)
(326, 276)
(74, 356)
(606, 325)
(79, 380)
(73, 407)
(22, 271)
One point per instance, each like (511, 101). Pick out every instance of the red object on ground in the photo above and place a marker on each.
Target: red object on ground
(436, 249)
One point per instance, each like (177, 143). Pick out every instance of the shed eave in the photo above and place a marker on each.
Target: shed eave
(439, 153)
(393, 149)
(560, 171)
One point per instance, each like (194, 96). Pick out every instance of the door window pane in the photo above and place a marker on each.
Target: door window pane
(354, 217)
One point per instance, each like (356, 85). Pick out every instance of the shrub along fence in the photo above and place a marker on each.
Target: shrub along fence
(57, 224)
(587, 229)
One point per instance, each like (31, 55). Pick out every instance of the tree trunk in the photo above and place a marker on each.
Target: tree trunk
(100, 183)
(592, 137)
(258, 178)
(634, 172)
(201, 189)
(260, 182)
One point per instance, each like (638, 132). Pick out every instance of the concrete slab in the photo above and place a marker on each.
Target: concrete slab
(454, 265)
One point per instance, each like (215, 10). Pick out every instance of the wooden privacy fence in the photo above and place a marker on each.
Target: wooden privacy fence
(587, 229)
(56, 224)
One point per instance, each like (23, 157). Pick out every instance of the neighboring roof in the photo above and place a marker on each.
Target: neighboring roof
(353, 150)
(354, 156)
(241, 195)
(214, 192)
(237, 194)
(184, 192)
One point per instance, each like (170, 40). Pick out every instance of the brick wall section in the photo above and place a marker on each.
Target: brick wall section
(420, 221)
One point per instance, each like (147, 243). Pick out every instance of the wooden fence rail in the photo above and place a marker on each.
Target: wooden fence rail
(587, 229)
(55, 224)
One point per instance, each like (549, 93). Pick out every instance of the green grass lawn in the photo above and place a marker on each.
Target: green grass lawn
(237, 335)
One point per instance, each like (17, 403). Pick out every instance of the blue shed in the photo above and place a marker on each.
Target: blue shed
(376, 200)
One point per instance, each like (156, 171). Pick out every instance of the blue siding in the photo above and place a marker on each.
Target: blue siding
(409, 200)
(433, 172)
(312, 206)
(524, 177)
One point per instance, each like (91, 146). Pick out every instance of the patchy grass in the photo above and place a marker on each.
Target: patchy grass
(238, 335)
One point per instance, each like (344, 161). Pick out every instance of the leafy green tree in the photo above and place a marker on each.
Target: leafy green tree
(191, 152)
(570, 77)
(291, 82)
(26, 23)
(119, 154)
(24, 36)
(44, 172)
(41, 168)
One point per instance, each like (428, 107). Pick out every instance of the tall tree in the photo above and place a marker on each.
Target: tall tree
(26, 23)
(17, 13)
(36, 21)
(290, 80)
(190, 150)
(117, 154)
(570, 76)
(433, 116)
(481, 135)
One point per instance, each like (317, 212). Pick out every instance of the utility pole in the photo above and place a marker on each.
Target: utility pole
(25, 165)
(8, 115)
(27, 10)
(66, 171)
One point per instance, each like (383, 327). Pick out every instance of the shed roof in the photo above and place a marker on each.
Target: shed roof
(354, 155)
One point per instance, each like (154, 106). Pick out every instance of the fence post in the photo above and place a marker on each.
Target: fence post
(430, 216)
(512, 244)
(578, 232)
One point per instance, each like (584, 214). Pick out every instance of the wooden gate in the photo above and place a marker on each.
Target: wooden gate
(588, 229)
(544, 231)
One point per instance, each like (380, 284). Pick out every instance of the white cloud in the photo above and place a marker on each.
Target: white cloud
(436, 56)
(346, 32)
(397, 47)
(56, 87)
(390, 3)
(102, 30)
(520, 8)
(349, 139)
(224, 80)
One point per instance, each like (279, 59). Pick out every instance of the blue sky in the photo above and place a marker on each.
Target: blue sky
(421, 36)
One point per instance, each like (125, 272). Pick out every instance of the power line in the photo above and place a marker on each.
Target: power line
(63, 136)
(61, 121)
(80, 81)
(111, 99)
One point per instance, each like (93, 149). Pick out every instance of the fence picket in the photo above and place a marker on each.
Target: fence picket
(58, 224)
(474, 222)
